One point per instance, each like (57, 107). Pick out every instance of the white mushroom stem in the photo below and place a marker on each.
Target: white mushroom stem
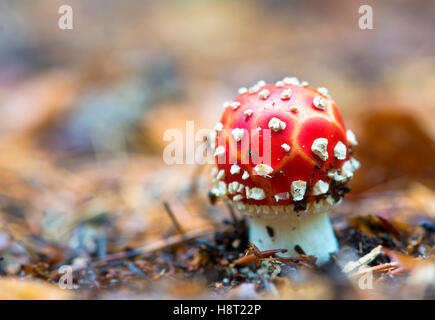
(312, 232)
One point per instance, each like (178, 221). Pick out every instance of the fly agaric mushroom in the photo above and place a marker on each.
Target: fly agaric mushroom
(287, 199)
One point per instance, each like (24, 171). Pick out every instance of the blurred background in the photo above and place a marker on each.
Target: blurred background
(83, 111)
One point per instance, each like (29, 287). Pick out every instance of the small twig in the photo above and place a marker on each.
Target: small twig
(377, 269)
(158, 245)
(173, 218)
(257, 255)
(150, 248)
(310, 260)
(369, 257)
(270, 255)
(232, 213)
(245, 259)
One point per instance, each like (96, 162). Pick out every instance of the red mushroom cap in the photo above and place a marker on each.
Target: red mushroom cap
(310, 155)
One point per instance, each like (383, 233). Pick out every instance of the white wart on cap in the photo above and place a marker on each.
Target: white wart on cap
(319, 148)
